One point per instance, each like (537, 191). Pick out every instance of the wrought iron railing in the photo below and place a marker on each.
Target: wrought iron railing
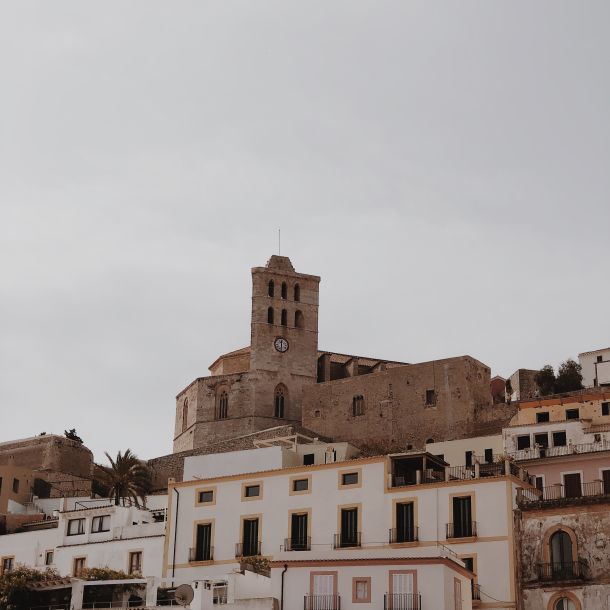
(322, 602)
(247, 549)
(402, 601)
(556, 494)
(408, 534)
(466, 529)
(561, 570)
(347, 540)
(297, 544)
(201, 554)
(476, 592)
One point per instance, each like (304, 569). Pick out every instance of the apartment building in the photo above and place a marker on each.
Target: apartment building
(398, 529)
(595, 367)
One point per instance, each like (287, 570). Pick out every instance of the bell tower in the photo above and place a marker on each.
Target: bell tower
(284, 325)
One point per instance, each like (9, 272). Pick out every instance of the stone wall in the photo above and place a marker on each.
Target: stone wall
(406, 405)
(590, 522)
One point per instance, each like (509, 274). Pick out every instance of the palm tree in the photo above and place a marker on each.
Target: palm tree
(127, 477)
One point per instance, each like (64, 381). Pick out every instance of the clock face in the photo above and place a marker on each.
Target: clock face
(281, 344)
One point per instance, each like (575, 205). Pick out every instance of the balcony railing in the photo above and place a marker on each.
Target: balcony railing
(402, 601)
(559, 494)
(346, 541)
(201, 554)
(468, 529)
(322, 602)
(410, 534)
(247, 549)
(476, 592)
(297, 544)
(533, 453)
(561, 571)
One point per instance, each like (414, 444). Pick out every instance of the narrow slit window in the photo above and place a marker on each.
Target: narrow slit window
(297, 293)
(270, 315)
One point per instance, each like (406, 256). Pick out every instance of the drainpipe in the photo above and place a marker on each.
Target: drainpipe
(282, 590)
(175, 533)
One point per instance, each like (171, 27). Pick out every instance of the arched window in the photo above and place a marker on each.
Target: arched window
(270, 315)
(185, 413)
(284, 317)
(299, 319)
(429, 440)
(222, 411)
(317, 413)
(280, 401)
(271, 288)
(358, 405)
(564, 603)
(561, 555)
(284, 290)
(297, 292)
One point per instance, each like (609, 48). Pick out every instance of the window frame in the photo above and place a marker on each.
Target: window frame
(348, 471)
(293, 492)
(212, 524)
(541, 415)
(200, 490)
(100, 519)
(572, 411)
(46, 557)
(6, 558)
(355, 581)
(246, 485)
(80, 520)
(605, 406)
(81, 559)
(132, 554)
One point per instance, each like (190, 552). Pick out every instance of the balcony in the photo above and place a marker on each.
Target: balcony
(476, 592)
(402, 601)
(347, 540)
(468, 529)
(297, 544)
(247, 549)
(397, 536)
(421, 469)
(534, 453)
(561, 571)
(322, 602)
(203, 554)
(557, 495)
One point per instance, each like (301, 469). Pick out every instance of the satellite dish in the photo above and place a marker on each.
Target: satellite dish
(184, 595)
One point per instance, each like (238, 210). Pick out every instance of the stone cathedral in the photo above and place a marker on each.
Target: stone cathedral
(283, 379)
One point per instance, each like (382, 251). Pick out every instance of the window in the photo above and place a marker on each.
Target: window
(297, 293)
(559, 439)
(405, 523)
(76, 526)
(250, 544)
(429, 440)
(252, 491)
(317, 413)
(489, 456)
(280, 397)
(203, 543)
(284, 290)
(430, 398)
(469, 565)
(468, 458)
(185, 413)
(284, 317)
(542, 440)
(206, 496)
(300, 485)
(349, 535)
(78, 565)
(606, 481)
(463, 525)
(223, 405)
(572, 414)
(100, 524)
(542, 417)
(605, 408)
(270, 288)
(523, 442)
(270, 315)
(299, 539)
(358, 405)
(0, 483)
(309, 459)
(600, 358)
(361, 590)
(572, 485)
(48, 558)
(539, 482)
(561, 550)
(16, 486)
(7, 564)
(135, 563)
(349, 478)
(299, 319)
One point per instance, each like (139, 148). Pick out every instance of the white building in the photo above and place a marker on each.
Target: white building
(595, 367)
(467, 451)
(406, 525)
(84, 533)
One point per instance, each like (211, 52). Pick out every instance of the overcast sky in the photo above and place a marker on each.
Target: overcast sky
(443, 166)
